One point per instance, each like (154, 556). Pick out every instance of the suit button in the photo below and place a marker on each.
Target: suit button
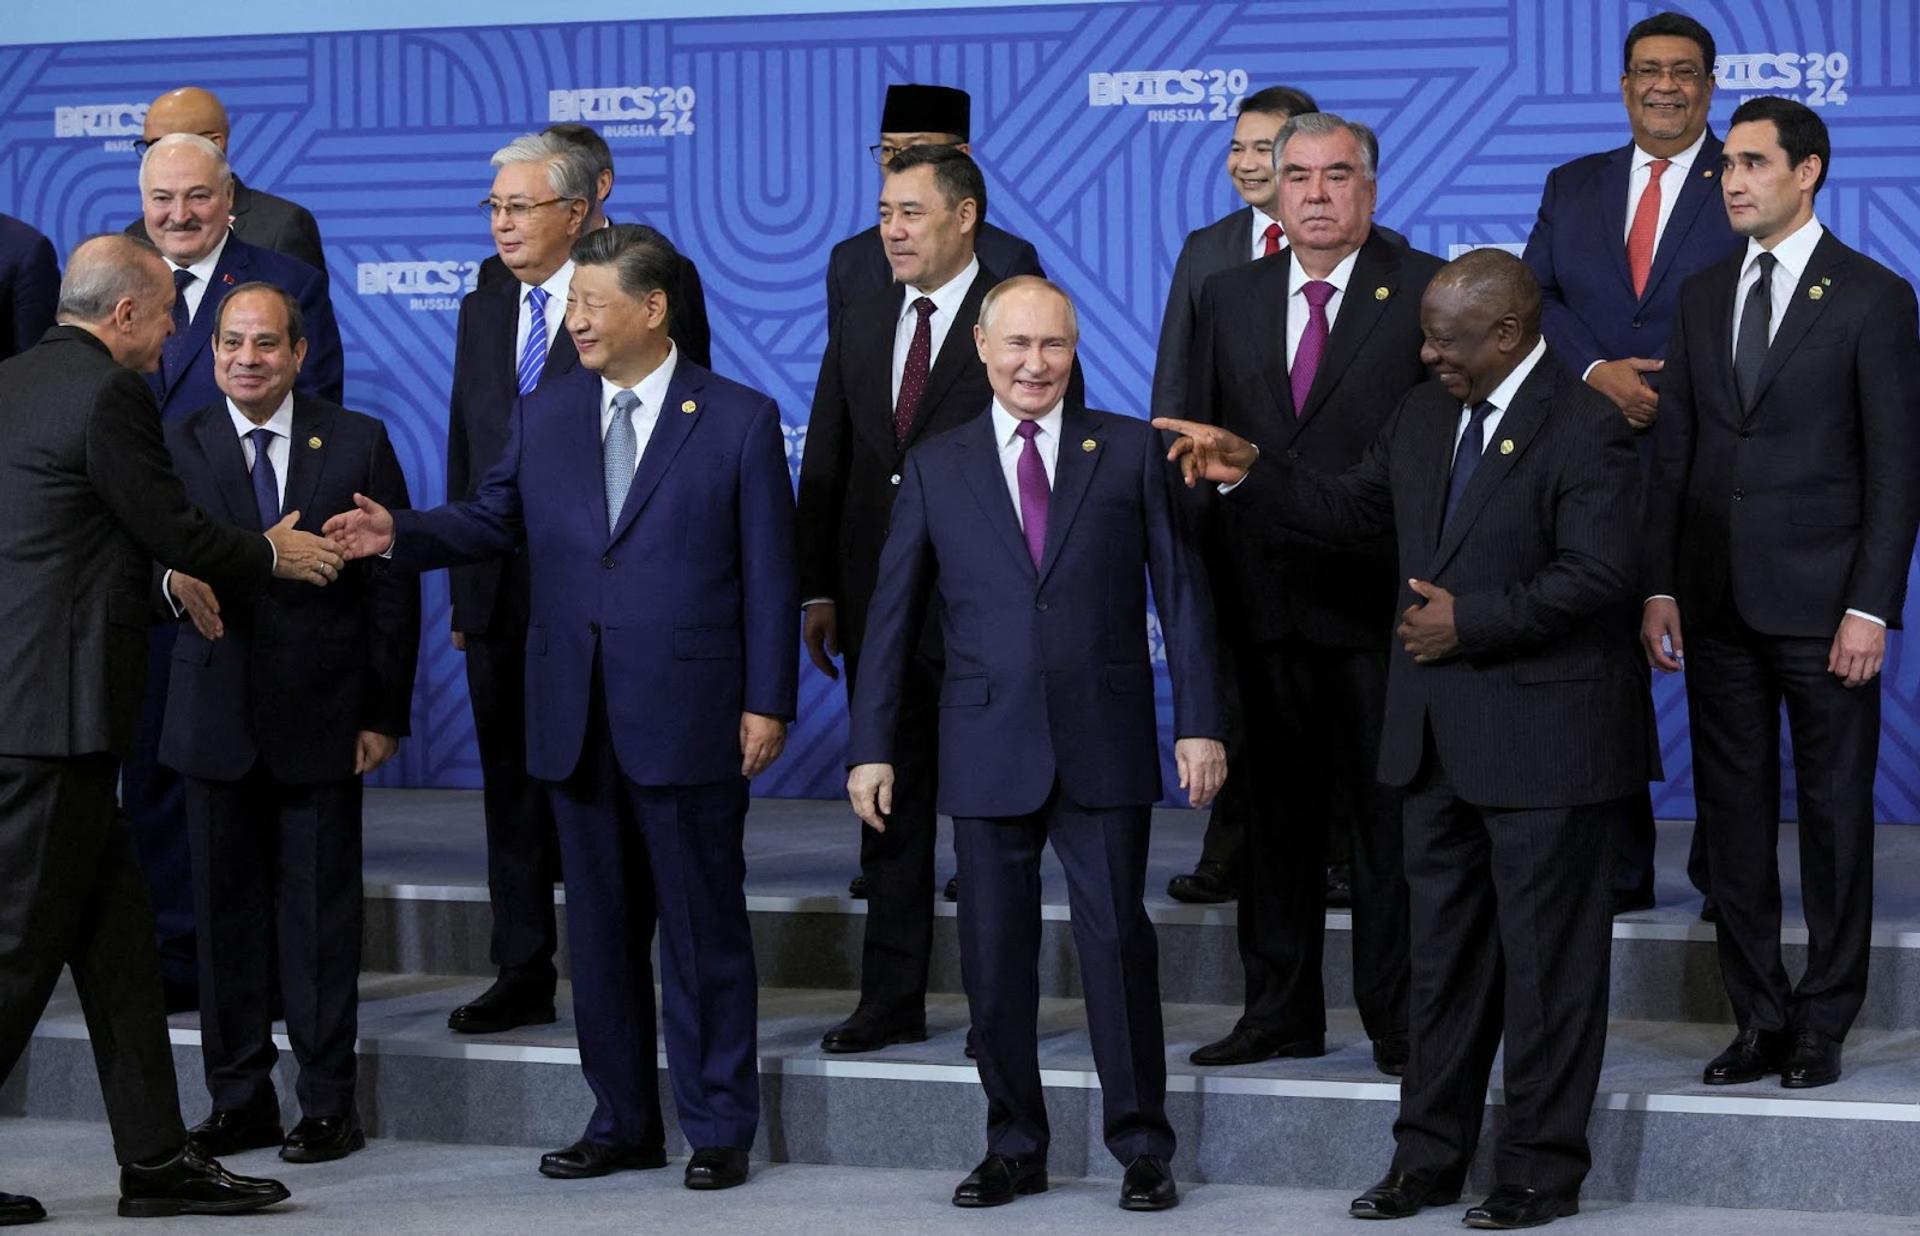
(1293, 454)
(1745, 434)
(1636, 324)
(894, 479)
(593, 628)
(607, 563)
(1739, 494)
(1041, 606)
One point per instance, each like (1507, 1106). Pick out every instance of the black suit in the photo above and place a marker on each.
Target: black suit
(1514, 752)
(858, 267)
(87, 500)
(1769, 520)
(1306, 621)
(687, 318)
(264, 724)
(270, 222)
(29, 286)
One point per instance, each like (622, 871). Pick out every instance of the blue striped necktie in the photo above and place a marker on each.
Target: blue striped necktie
(533, 357)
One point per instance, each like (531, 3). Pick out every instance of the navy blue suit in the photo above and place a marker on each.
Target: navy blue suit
(1047, 732)
(643, 649)
(29, 286)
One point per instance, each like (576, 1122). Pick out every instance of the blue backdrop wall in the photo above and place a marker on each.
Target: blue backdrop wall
(1102, 128)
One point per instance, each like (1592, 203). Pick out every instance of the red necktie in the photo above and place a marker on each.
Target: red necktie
(1273, 240)
(1646, 221)
(913, 378)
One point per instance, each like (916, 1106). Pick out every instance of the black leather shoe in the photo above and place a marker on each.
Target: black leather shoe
(1249, 1046)
(503, 1006)
(1148, 1185)
(1208, 884)
(1629, 903)
(972, 1052)
(1814, 1061)
(857, 888)
(952, 892)
(1751, 1056)
(585, 1159)
(717, 1167)
(1709, 912)
(16, 1209)
(190, 1183)
(1339, 886)
(999, 1179)
(233, 1132)
(870, 1029)
(1512, 1206)
(1400, 1194)
(321, 1139)
(1390, 1057)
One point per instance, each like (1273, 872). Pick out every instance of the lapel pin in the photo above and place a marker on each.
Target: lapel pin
(1825, 282)
(1814, 293)
(1088, 445)
(1381, 293)
(688, 406)
(1506, 446)
(227, 278)
(313, 443)
(1707, 175)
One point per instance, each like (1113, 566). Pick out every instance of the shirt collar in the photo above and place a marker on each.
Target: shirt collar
(1005, 422)
(1793, 253)
(947, 297)
(1502, 395)
(1262, 221)
(1683, 160)
(651, 389)
(281, 422)
(1298, 278)
(203, 269)
(555, 284)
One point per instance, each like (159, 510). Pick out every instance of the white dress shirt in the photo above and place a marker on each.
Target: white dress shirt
(1005, 433)
(946, 306)
(1793, 254)
(202, 275)
(1298, 310)
(279, 450)
(1261, 222)
(1501, 397)
(1671, 182)
(652, 391)
(554, 314)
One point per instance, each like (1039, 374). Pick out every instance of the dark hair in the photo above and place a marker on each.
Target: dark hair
(296, 327)
(1671, 24)
(588, 141)
(954, 171)
(1279, 101)
(644, 259)
(1801, 130)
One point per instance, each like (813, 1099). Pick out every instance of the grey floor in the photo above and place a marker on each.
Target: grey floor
(404, 1188)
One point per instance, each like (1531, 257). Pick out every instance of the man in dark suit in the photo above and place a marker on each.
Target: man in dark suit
(916, 115)
(29, 285)
(1517, 721)
(1031, 531)
(1781, 527)
(689, 328)
(89, 502)
(1309, 350)
(1618, 232)
(508, 342)
(276, 708)
(259, 218)
(660, 677)
(186, 190)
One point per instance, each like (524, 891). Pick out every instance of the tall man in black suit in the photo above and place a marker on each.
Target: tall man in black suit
(277, 706)
(1517, 721)
(29, 285)
(89, 501)
(917, 115)
(1617, 234)
(509, 341)
(1309, 351)
(1781, 528)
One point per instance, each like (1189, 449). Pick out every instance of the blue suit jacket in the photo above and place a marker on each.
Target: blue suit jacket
(29, 286)
(689, 607)
(193, 386)
(1047, 671)
(1578, 252)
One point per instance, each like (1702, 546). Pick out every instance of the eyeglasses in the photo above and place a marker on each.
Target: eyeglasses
(883, 152)
(141, 146)
(1682, 74)
(518, 211)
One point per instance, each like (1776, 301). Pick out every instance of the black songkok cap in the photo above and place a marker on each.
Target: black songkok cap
(927, 109)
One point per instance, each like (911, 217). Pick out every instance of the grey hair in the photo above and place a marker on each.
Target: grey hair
(1021, 283)
(104, 270)
(192, 141)
(1319, 124)
(570, 172)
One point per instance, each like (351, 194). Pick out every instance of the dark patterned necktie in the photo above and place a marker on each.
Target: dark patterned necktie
(173, 354)
(266, 483)
(1756, 323)
(1466, 457)
(913, 379)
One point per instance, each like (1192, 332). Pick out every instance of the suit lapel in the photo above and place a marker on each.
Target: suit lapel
(228, 272)
(981, 467)
(242, 206)
(228, 463)
(1518, 424)
(1829, 259)
(506, 366)
(1361, 307)
(1073, 469)
(306, 453)
(1700, 186)
(1267, 313)
(562, 356)
(1614, 184)
(670, 430)
(870, 365)
(957, 351)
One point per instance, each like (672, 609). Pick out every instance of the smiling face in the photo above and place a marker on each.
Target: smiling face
(1250, 159)
(1767, 196)
(1326, 197)
(1466, 346)
(616, 334)
(253, 364)
(1027, 347)
(928, 239)
(187, 202)
(1667, 88)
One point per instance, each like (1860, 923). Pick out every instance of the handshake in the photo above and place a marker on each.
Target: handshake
(359, 533)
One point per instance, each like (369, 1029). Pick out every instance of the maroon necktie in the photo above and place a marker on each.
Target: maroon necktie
(1273, 240)
(913, 379)
(1313, 341)
(1035, 494)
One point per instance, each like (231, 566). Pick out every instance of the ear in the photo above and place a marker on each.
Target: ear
(299, 355)
(980, 342)
(657, 308)
(1807, 174)
(576, 217)
(969, 212)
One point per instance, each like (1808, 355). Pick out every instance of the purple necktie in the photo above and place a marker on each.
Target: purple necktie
(1034, 493)
(1313, 341)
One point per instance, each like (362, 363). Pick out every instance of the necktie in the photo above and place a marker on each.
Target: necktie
(618, 455)
(1035, 495)
(533, 357)
(913, 379)
(173, 354)
(1272, 235)
(1756, 321)
(266, 486)
(1306, 357)
(1466, 457)
(1646, 221)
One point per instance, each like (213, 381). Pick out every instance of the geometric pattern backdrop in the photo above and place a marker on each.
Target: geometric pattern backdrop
(1102, 130)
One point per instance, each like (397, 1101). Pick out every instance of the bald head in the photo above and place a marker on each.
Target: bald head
(1494, 281)
(189, 109)
(1480, 318)
(117, 287)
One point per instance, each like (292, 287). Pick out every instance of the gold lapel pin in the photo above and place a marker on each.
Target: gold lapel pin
(1707, 175)
(1506, 446)
(1825, 282)
(1088, 445)
(1814, 292)
(1381, 293)
(688, 406)
(313, 443)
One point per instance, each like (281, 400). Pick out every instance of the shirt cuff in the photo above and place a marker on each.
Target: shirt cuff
(276, 555)
(1659, 596)
(1876, 621)
(1227, 487)
(810, 602)
(166, 590)
(387, 553)
(1585, 373)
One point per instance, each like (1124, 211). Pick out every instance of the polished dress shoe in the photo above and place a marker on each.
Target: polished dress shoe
(972, 1052)
(1208, 884)
(1629, 903)
(999, 1179)
(503, 1006)
(717, 1167)
(952, 892)
(1249, 1046)
(857, 888)
(1709, 912)
(191, 1183)
(1512, 1206)
(321, 1139)
(1390, 1057)
(1814, 1061)
(1339, 886)
(16, 1208)
(870, 1029)
(1751, 1056)
(1400, 1194)
(586, 1159)
(235, 1131)
(1148, 1185)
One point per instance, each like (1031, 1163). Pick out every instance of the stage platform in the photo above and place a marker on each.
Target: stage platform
(1323, 1126)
